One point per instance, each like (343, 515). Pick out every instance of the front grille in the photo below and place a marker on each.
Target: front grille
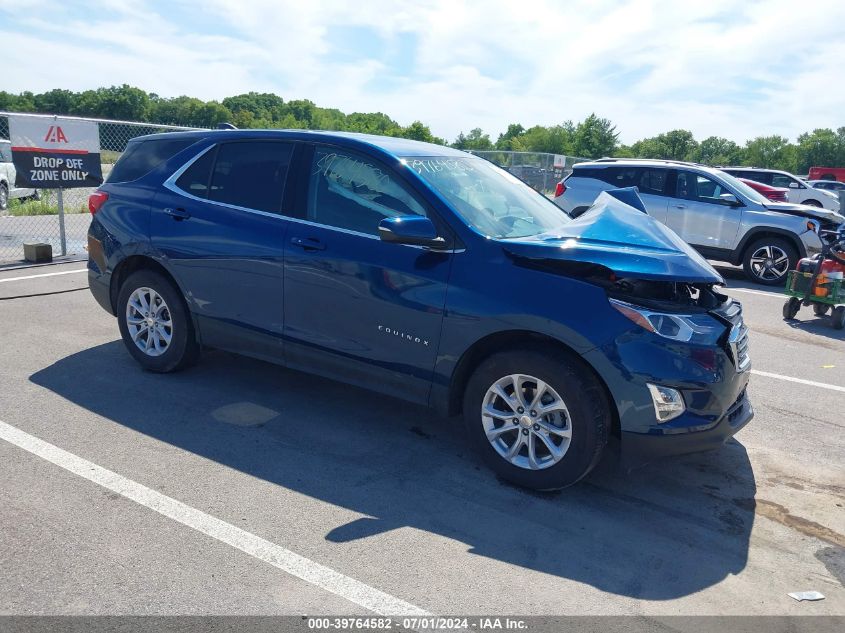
(738, 342)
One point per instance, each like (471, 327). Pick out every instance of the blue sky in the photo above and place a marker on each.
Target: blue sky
(718, 67)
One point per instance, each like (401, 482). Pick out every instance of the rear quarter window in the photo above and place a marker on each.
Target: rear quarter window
(141, 157)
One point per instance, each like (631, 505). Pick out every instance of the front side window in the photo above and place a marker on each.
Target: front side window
(351, 191)
(782, 180)
(699, 188)
(488, 198)
(250, 174)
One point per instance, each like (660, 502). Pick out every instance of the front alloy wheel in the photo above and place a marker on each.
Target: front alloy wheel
(767, 261)
(538, 418)
(526, 422)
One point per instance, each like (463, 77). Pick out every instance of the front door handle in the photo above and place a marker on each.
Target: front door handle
(680, 206)
(308, 243)
(177, 214)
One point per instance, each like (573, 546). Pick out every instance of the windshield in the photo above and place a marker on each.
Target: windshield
(745, 190)
(489, 199)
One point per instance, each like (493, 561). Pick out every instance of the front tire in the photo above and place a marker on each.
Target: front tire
(155, 324)
(790, 308)
(768, 260)
(537, 420)
(812, 203)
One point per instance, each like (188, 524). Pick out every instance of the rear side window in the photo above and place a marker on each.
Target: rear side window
(653, 181)
(623, 176)
(195, 179)
(251, 174)
(141, 157)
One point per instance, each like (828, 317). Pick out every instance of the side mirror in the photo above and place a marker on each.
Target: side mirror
(729, 199)
(414, 230)
(794, 185)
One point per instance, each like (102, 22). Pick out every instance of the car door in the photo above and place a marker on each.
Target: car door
(357, 308)
(217, 224)
(699, 216)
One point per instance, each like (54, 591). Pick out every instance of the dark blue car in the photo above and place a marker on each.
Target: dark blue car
(427, 274)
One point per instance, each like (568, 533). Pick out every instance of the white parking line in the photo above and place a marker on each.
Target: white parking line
(257, 547)
(756, 292)
(63, 272)
(800, 381)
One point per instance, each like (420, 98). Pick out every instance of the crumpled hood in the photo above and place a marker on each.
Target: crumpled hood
(806, 211)
(622, 238)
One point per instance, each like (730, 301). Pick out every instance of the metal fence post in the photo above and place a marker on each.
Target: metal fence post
(62, 237)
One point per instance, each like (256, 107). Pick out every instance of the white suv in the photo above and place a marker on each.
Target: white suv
(721, 217)
(8, 190)
(800, 191)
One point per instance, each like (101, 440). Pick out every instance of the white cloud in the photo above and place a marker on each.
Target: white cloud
(735, 70)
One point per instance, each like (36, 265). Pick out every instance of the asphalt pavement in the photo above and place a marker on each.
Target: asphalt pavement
(239, 487)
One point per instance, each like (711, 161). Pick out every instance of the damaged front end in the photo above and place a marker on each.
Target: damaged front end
(635, 258)
(684, 368)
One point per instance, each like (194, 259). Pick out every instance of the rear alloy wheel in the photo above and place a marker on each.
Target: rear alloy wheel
(538, 421)
(154, 323)
(767, 261)
(4, 197)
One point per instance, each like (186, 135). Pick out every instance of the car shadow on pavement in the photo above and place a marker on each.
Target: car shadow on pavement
(659, 532)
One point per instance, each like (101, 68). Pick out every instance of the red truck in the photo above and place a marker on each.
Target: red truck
(827, 173)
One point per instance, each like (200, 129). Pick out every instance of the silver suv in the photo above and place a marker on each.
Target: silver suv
(8, 191)
(723, 218)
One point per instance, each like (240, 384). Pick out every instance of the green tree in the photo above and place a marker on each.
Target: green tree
(476, 139)
(822, 147)
(595, 137)
(420, 132)
(770, 151)
(715, 150)
(505, 141)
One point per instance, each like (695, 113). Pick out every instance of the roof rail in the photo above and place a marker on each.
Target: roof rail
(649, 160)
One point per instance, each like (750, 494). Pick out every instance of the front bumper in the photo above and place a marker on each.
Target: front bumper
(648, 446)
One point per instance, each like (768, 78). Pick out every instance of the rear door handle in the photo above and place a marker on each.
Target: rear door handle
(177, 214)
(680, 206)
(308, 243)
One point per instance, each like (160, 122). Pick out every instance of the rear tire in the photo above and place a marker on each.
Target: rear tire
(820, 309)
(4, 197)
(155, 324)
(768, 260)
(571, 402)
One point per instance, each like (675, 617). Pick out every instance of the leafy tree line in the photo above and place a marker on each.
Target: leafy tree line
(593, 137)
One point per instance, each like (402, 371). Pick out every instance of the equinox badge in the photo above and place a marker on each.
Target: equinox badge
(404, 335)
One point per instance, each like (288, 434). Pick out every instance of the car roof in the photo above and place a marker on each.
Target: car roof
(644, 162)
(398, 147)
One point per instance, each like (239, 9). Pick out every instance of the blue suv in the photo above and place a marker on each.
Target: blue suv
(423, 273)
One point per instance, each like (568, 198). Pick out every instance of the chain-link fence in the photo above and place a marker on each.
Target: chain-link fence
(540, 170)
(37, 218)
